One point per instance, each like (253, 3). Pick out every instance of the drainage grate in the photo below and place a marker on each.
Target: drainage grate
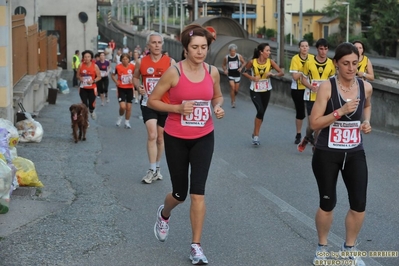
(24, 191)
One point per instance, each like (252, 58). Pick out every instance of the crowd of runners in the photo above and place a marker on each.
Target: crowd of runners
(333, 93)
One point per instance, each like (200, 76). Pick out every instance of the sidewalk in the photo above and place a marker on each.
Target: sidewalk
(49, 156)
(64, 168)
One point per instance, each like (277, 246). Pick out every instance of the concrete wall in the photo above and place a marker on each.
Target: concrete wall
(385, 100)
(6, 96)
(77, 33)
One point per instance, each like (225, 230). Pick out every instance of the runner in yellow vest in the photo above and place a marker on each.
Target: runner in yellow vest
(364, 68)
(75, 66)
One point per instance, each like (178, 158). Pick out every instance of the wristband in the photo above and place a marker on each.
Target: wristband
(336, 115)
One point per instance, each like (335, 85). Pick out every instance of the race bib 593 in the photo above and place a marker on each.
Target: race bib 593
(199, 116)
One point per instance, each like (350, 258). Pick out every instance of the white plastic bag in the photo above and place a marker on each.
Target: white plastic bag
(29, 130)
(5, 186)
(14, 136)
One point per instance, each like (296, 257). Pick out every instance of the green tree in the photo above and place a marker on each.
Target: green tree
(385, 27)
(337, 9)
(366, 7)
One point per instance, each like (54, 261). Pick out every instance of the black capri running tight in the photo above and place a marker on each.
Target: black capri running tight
(326, 166)
(102, 85)
(185, 154)
(88, 98)
(297, 97)
(261, 101)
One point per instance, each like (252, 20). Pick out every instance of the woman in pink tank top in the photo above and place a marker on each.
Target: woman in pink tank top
(194, 91)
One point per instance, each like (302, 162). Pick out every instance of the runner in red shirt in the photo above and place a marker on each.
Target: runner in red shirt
(88, 74)
(150, 68)
(123, 78)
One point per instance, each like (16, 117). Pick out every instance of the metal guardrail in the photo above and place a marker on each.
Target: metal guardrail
(379, 72)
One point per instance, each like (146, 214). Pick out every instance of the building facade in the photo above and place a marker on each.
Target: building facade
(6, 97)
(73, 22)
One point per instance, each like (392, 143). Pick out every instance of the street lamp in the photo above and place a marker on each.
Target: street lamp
(290, 5)
(347, 20)
(183, 5)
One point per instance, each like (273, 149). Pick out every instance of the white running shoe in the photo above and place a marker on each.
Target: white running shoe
(119, 121)
(352, 254)
(93, 115)
(136, 101)
(255, 140)
(127, 124)
(107, 99)
(321, 255)
(161, 227)
(157, 175)
(197, 256)
(148, 177)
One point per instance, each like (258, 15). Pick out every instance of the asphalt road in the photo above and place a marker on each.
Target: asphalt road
(261, 201)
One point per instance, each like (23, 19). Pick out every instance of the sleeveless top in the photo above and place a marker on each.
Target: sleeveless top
(233, 64)
(344, 134)
(316, 72)
(296, 66)
(88, 73)
(103, 66)
(125, 75)
(151, 72)
(199, 123)
(362, 65)
(260, 70)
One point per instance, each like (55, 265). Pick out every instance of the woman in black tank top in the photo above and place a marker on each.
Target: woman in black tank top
(342, 112)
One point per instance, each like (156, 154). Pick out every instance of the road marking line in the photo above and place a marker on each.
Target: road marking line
(309, 222)
(223, 162)
(240, 174)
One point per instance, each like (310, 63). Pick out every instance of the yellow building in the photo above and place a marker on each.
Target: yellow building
(267, 11)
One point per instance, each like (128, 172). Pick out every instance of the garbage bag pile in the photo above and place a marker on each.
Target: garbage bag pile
(29, 130)
(62, 85)
(16, 171)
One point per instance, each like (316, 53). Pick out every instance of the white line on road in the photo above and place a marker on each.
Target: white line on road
(309, 222)
(240, 174)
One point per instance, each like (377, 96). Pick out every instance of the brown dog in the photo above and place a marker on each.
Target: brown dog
(79, 120)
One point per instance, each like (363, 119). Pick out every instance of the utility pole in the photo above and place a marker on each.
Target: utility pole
(195, 9)
(282, 34)
(240, 12)
(300, 21)
(160, 16)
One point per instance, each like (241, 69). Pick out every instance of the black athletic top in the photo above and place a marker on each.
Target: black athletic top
(344, 134)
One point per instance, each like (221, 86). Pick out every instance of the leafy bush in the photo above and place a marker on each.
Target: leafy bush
(334, 40)
(309, 38)
(261, 30)
(270, 33)
(287, 38)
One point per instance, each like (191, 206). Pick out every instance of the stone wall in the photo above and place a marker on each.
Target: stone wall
(385, 100)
